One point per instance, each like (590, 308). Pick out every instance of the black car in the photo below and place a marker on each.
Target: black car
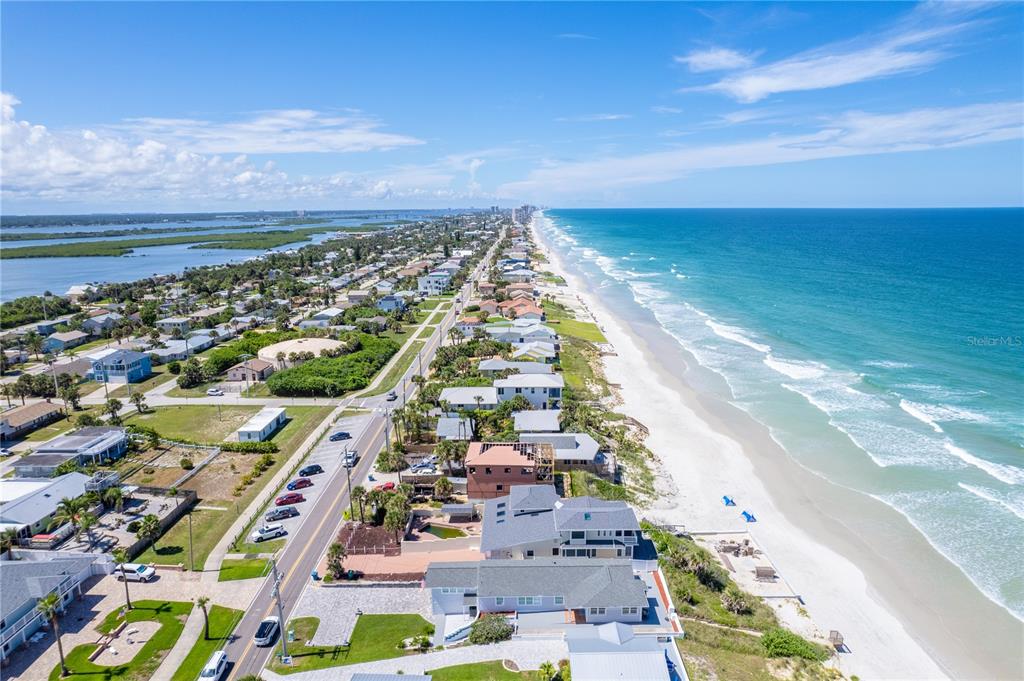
(339, 436)
(281, 513)
(312, 469)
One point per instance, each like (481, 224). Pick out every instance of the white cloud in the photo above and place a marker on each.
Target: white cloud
(853, 134)
(666, 110)
(112, 166)
(715, 59)
(270, 132)
(914, 45)
(592, 118)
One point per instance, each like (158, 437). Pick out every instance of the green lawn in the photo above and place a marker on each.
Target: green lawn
(243, 568)
(92, 345)
(400, 367)
(576, 360)
(222, 622)
(430, 303)
(60, 426)
(483, 671)
(426, 332)
(195, 391)
(257, 390)
(375, 637)
(196, 423)
(209, 526)
(158, 377)
(270, 546)
(583, 330)
(170, 614)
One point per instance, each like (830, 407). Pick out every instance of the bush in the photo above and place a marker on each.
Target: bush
(133, 526)
(174, 367)
(330, 377)
(490, 629)
(780, 642)
(249, 447)
(186, 463)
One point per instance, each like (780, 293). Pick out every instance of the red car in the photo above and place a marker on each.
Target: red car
(299, 483)
(292, 498)
(386, 487)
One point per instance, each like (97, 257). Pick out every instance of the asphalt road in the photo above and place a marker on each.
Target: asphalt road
(323, 516)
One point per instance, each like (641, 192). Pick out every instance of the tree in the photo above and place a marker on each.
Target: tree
(443, 489)
(139, 400)
(336, 560)
(72, 396)
(121, 557)
(455, 335)
(202, 602)
(113, 407)
(359, 497)
(394, 520)
(149, 529)
(547, 670)
(34, 342)
(8, 540)
(86, 521)
(49, 606)
(191, 374)
(68, 511)
(87, 419)
(113, 497)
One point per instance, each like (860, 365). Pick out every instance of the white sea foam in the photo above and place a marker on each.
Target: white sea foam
(795, 370)
(652, 258)
(886, 364)
(681, 276)
(920, 414)
(990, 495)
(1011, 475)
(736, 335)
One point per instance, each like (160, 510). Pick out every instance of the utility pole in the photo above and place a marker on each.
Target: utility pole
(348, 476)
(387, 430)
(191, 559)
(280, 610)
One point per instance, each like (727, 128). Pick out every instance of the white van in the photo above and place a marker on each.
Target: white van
(214, 669)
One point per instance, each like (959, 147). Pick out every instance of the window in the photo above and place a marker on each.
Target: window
(554, 551)
(559, 600)
(629, 611)
(500, 600)
(508, 470)
(499, 487)
(529, 600)
(597, 611)
(472, 469)
(576, 534)
(529, 553)
(487, 470)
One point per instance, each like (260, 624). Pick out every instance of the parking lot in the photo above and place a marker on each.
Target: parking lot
(328, 455)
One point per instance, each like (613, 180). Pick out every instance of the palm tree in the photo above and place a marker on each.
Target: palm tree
(139, 400)
(397, 418)
(113, 497)
(49, 606)
(336, 555)
(444, 451)
(280, 360)
(8, 390)
(8, 539)
(68, 511)
(359, 497)
(455, 335)
(121, 556)
(202, 602)
(72, 396)
(34, 342)
(149, 530)
(547, 671)
(112, 407)
(86, 521)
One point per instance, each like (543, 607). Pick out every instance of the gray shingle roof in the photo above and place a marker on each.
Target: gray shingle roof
(24, 580)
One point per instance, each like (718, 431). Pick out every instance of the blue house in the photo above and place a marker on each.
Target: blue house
(391, 303)
(121, 366)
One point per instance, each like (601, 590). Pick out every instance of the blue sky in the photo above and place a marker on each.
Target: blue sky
(206, 106)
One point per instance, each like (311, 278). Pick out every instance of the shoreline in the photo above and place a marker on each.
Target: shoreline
(890, 598)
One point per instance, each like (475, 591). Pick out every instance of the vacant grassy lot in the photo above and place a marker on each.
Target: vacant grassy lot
(375, 637)
(196, 423)
(243, 568)
(159, 376)
(209, 526)
(170, 614)
(222, 622)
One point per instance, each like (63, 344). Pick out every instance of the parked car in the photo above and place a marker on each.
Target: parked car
(267, 631)
(386, 487)
(214, 392)
(133, 572)
(5, 452)
(267, 532)
(290, 498)
(392, 396)
(299, 483)
(281, 514)
(312, 469)
(350, 459)
(339, 436)
(215, 667)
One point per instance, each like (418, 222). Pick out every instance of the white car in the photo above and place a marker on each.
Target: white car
(134, 572)
(214, 392)
(267, 631)
(214, 669)
(268, 532)
(5, 452)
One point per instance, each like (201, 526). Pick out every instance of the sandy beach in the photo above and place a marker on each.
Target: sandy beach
(857, 565)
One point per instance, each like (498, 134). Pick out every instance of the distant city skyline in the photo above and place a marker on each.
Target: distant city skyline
(181, 107)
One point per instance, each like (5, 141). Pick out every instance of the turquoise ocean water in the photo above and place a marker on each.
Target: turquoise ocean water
(884, 349)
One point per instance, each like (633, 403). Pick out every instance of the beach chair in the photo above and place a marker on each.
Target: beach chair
(764, 573)
(749, 517)
(727, 500)
(836, 639)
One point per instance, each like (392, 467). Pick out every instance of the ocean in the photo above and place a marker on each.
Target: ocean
(883, 349)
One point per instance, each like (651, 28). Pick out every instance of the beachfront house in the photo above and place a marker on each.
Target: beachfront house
(588, 591)
(537, 421)
(614, 651)
(433, 284)
(469, 398)
(495, 365)
(493, 468)
(532, 521)
(544, 391)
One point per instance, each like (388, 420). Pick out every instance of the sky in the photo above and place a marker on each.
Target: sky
(121, 107)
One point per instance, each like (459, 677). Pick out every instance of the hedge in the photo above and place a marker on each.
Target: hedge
(780, 642)
(333, 376)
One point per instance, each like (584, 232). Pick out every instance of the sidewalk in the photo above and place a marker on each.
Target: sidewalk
(189, 635)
